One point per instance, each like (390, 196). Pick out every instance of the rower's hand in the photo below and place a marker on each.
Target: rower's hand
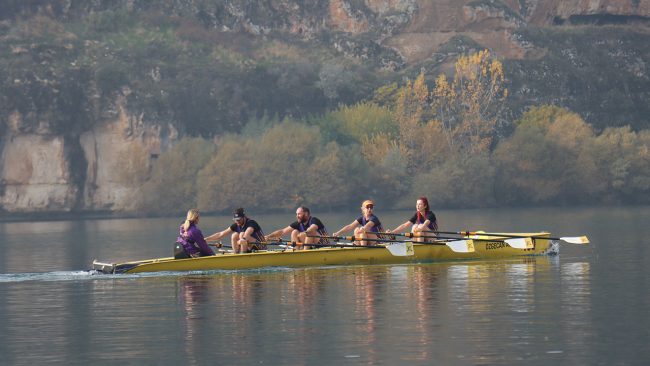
(336, 234)
(388, 231)
(242, 242)
(302, 235)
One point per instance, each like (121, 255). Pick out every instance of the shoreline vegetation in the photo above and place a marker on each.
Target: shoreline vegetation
(552, 158)
(271, 123)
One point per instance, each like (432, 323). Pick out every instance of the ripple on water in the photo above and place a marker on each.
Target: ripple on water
(95, 275)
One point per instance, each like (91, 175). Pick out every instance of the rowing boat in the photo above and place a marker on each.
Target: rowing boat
(493, 247)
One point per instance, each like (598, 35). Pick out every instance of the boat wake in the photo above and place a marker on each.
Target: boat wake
(47, 276)
(97, 275)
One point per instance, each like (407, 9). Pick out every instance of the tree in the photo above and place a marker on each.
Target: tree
(387, 160)
(133, 166)
(387, 95)
(529, 167)
(469, 107)
(350, 124)
(363, 120)
(541, 116)
(551, 162)
(287, 166)
(410, 110)
(623, 159)
(421, 137)
(333, 80)
(230, 179)
(461, 181)
(172, 188)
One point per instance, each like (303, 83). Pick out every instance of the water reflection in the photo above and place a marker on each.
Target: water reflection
(192, 295)
(302, 291)
(423, 292)
(368, 283)
(576, 306)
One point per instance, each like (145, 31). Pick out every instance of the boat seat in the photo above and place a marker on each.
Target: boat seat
(179, 251)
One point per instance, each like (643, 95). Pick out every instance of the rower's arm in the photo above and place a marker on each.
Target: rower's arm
(401, 227)
(313, 229)
(247, 234)
(424, 225)
(354, 224)
(217, 236)
(368, 226)
(279, 233)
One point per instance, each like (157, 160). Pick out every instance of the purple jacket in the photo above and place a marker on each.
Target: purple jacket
(193, 242)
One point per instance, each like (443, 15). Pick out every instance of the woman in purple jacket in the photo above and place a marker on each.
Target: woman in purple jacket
(192, 238)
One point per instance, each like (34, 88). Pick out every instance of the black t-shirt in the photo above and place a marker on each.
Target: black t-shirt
(373, 219)
(312, 221)
(430, 216)
(249, 223)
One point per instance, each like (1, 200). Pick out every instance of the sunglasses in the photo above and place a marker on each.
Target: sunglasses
(369, 207)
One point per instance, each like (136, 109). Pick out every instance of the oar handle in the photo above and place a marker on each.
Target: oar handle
(355, 238)
(407, 235)
(219, 245)
(299, 244)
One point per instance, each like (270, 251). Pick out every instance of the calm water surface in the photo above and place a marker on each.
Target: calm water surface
(586, 306)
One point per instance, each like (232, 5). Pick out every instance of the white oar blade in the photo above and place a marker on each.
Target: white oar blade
(397, 249)
(520, 243)
(461, 246)
(576, 240)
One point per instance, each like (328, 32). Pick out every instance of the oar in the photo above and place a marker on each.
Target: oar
(459, 246)
(569, 239)
(299, 244)
(219, 245)
(523, 243)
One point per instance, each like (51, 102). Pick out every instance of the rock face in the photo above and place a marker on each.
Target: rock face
(490, 23)
(46, 165)
(36, 174)
(45, 171)
(101, 147)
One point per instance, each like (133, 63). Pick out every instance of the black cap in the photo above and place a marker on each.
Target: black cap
(238, 214)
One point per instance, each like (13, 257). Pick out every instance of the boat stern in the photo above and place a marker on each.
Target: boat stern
(107, 268)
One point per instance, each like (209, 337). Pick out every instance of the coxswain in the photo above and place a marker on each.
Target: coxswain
(423, 220)
(192, 238)
(305, 225)
(246, 234)
(369, 223)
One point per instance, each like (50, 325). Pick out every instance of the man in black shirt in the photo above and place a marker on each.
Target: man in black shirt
(243, 231)
(306, 225)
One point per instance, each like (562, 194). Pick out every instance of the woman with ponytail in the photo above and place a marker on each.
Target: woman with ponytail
(423, 220)
(192, 238)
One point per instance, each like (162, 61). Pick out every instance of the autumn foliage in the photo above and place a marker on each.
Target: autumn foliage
(432, 138)
(469, 107)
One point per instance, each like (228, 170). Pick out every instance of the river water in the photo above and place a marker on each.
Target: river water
(588, 305)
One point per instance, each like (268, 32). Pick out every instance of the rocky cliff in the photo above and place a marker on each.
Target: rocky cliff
(64, 122)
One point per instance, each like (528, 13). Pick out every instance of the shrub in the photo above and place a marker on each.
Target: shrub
(110, 78)
(172, 188)
(462, 181)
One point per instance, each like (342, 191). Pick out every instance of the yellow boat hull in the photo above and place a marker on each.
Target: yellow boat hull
(327, 256)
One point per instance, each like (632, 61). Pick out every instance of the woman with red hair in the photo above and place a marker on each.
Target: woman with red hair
(423, 219)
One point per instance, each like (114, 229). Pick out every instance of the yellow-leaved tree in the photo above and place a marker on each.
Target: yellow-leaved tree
(420, 137)
(411, 104)
(469, 107)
